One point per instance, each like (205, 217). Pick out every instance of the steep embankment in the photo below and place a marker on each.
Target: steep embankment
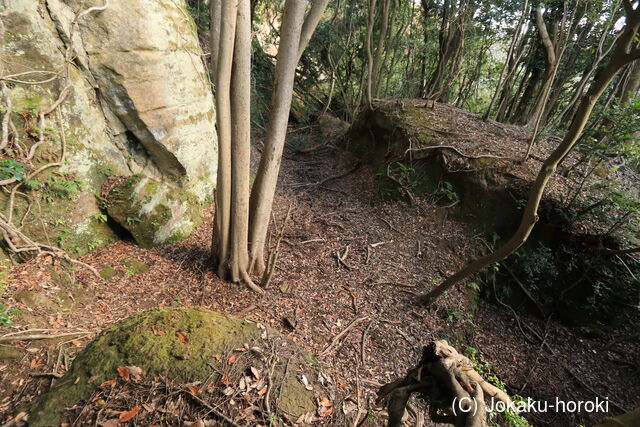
(477, 169)
(130, 96)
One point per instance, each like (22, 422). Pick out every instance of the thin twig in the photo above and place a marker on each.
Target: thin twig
(39, 337)
(336, 340)
(210, 408)
(363, 344)
(273, 256)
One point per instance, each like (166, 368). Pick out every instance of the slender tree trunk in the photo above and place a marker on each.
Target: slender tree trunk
(264, 187)
(510, 52)
(372, 16)
(241, 147)
(632, 84)
(552, 59)
(223, 108)
(586, 76)
(621, 56)
(310, 24)
(215, 9)
(380, 49)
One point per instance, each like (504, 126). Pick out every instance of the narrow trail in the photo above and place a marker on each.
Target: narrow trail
(389, 254)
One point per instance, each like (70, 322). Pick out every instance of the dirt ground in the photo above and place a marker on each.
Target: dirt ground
(395, 253)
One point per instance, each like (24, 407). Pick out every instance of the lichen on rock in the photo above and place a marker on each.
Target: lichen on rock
(152, 213)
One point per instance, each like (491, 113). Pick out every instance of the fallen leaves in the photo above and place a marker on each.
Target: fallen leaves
(157, 332)
(108, 383)
(130, 373)
(326, 407)
(225, 380)
(182, 337)
(194, 389)
(128, 415)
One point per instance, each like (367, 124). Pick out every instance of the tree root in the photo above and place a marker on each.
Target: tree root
(456, 392)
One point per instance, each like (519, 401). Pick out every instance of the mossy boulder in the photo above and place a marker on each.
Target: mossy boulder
(151, 212)
(34, 299)
(176, 343)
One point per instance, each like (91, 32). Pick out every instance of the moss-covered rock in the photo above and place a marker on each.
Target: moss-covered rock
(34, 299)
(10, 353)
(135, 267)
(108, 272)
(151, 212)
(177, 343)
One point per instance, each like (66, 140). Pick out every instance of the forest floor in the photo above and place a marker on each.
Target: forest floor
(392, 253)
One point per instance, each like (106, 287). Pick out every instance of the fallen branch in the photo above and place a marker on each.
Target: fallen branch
(211, 408)
(391, 227)
(454, 149)
(35, 337)
(330, 178)
(342, 259)
(336, 340)
(363, 344)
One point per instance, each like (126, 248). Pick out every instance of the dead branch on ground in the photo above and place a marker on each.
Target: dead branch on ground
(273, 256)
(338, 338)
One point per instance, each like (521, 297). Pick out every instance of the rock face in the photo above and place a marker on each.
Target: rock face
(180, 344)
(138, 102)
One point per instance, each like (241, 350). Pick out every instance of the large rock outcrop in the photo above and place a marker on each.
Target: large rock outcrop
(138, 102)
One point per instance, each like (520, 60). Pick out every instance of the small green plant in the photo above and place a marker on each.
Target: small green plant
(65, 233)
(130, 220)
(104, 203)
(60, 188)
(135, 267)
(10, 168)
(406, 174)
(474, 286)
(484, 369)
(5, 315)
(446, 190)
(100, 217)
(94, 244)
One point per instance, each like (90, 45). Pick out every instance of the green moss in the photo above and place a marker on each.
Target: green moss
(150, 341)
(135, 267)
(10, 353)
(295, 398)
(107, 272)
(132, 342)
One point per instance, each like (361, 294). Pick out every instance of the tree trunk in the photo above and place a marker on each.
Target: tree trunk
(372, 15)
(223, 108)
(215, 9)
(310, 24)
(586, 76)
(267, 176)
(632, 83)
(241, 147)
(622, 55)
(551, 55)
(508, 60)
(380, 49)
